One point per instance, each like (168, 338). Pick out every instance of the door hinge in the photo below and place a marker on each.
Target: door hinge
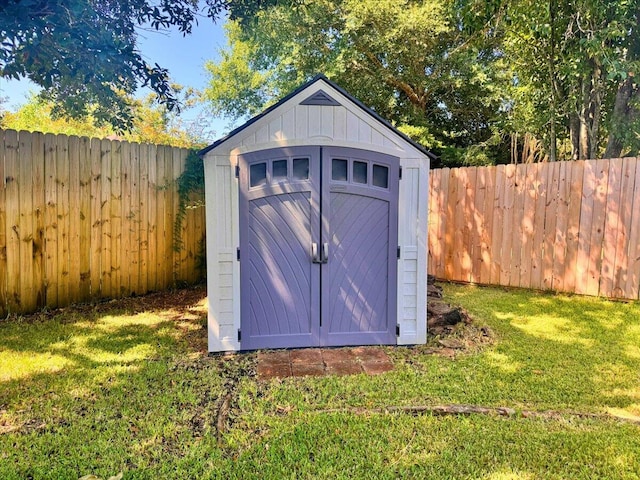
(398, 252)
(237, 171)
(397, 329)
(238, 253)
(239, 335)
(400, 174)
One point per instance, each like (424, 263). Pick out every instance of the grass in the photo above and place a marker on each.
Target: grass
(104, 391)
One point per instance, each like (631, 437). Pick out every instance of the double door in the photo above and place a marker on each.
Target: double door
(318, 244)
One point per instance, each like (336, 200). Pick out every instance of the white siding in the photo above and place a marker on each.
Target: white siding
(412, 238)
(222, 271)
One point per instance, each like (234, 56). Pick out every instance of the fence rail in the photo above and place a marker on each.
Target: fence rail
(563, 226)
(83, 218)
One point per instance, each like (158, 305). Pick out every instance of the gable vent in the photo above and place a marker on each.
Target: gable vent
(320, 98)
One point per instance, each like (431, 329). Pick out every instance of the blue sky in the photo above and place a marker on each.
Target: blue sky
(184, 57)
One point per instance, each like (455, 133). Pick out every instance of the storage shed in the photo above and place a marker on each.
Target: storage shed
(316, 227)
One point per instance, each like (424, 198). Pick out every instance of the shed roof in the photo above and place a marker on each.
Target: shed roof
(315, 79)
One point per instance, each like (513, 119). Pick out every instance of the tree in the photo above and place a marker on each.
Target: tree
(84, 53)
(409, 60)
(151, 123)
(574, 66)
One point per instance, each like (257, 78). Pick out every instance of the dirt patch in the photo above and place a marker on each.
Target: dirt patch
(450, 329)
(183, 303)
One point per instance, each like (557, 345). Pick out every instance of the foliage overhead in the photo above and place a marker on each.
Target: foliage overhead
(466, 78)
(408, 60)
(84, 53)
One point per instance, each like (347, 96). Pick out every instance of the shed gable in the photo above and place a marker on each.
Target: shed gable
(318, 111)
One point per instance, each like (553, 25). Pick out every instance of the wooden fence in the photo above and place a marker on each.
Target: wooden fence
(85, 218)
(564, 226)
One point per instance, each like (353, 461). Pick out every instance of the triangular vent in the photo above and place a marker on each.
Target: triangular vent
(320, 98)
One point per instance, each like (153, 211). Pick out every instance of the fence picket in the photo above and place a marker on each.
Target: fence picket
(573, 226)
(39, 207)
(3, 231)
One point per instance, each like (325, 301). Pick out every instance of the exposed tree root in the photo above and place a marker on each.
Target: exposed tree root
(459, 409)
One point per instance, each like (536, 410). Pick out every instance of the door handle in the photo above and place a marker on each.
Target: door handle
(325, 252)
(314, 253)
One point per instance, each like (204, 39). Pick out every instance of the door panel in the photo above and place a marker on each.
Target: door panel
(344, 198)
(280, 286)
(360, 221)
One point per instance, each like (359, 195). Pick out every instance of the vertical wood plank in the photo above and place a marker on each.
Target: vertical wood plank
(179, 254)
(95, 263)
(528, 224)
(51, 220)
(573, 225)
(117, 152)
(3, 230)
(25, 225)
(589, 183)
(498, 225)
(105, 215)
(461, 231)
(450, 232)
(12, 199)
(478, 232)
(39, 208)
(537, 257)
(443, 209)
(153, 204)
(200, 232)
(169, 217)
(611, 225)
(63, 211)
(74, 218)
(160, 218)
(625, 215)
(127, 213)
(473, 223)
(508, 230)
(550, 224)
(518, 237)
(84, 212)
(485, 239)
(632, 285)
(434, 218)
(562, 222)
(597, 227)
(144, 219)
(132, 199)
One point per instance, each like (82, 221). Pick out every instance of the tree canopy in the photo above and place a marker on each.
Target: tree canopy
(405, 59)
(84, 53)
(468, 79)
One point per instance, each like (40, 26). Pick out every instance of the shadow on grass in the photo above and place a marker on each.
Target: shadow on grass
(88, 343)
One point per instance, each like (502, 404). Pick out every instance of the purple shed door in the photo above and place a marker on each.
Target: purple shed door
(360, 210)
(318, 238)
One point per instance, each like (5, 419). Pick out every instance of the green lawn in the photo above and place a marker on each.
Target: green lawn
(128, 388)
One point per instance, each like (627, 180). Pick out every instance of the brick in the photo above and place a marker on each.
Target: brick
(370, 354)
(337, 355)
(274, 357)
(306, 355)
(267, 370)
(344, 368)
(307, 370)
